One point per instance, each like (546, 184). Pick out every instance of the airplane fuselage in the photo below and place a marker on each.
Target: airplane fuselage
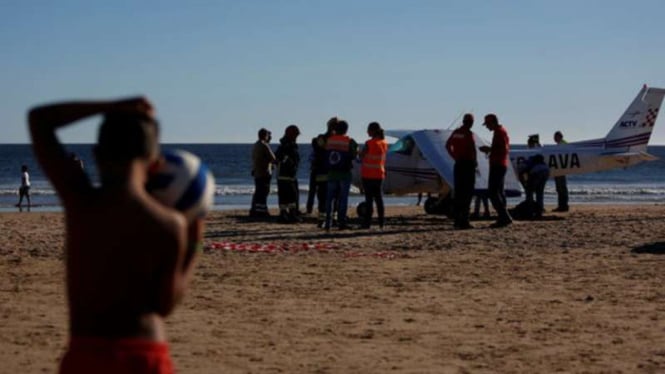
(566, 160)
(413, 174)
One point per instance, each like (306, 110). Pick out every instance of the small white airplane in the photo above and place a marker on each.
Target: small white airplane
(419, 163)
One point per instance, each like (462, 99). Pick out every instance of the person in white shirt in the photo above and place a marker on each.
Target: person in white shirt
(24, 190)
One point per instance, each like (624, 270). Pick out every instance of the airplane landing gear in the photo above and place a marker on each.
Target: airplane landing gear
(439, 205)
(362, 210)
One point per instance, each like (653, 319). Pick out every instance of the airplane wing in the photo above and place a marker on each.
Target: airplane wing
(512, 186)
(432, 145)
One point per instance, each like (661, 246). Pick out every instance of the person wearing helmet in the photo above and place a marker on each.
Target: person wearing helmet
(288, 160)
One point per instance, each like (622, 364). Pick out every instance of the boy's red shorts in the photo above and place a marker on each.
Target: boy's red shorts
(99, 355)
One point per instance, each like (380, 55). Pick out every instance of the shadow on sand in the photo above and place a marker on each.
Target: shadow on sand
(657, 248)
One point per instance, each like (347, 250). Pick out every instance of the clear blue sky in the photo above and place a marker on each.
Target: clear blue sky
(217, 71)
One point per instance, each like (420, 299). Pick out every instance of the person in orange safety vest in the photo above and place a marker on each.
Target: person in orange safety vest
(373, 172)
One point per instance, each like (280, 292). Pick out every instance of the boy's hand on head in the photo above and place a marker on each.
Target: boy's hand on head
(135, 104)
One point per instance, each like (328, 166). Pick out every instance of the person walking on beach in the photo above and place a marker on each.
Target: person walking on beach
(320, 168)
(560, 182)
(24, 189)
(462, 148)
(128, 257)
(262, 161)
(340, 151)
(498, 160)
(288, 160)
(373, 172)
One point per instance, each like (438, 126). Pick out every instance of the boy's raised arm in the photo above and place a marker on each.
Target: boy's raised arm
(43, 122)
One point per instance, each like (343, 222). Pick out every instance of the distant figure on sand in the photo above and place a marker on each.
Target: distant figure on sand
(498, 160)
(24, 189)
(128, 257)
(262, 161)
(560, 182)
(373, 172)
(288, 159)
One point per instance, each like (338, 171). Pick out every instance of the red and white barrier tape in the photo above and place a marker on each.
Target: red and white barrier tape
(299, 247)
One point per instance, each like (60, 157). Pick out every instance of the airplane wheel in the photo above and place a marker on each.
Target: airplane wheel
(446, 206)
(362, 210)
(430, 205)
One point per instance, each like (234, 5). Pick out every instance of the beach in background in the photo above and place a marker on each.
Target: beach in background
(231, 165)
(575, 292)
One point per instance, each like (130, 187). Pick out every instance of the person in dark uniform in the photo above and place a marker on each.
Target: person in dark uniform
(262, 162)
(560, 181)
(320, 168)
(288, 160)
(462, 148)
(533, 175)
(341, 150)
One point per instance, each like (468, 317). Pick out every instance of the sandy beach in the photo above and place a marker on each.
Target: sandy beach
(577, 292)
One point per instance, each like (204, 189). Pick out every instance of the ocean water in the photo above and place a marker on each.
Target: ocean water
(230, 163)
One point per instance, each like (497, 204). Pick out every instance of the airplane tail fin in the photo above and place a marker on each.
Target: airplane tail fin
(634, 127)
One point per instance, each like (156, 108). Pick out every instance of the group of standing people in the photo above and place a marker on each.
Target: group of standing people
(287, 159)
(332, 161)
(462, 148)
(333, 153)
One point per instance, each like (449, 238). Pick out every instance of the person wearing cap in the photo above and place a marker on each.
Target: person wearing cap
(262, 161)
(498, 160)
(533, 141)
(288, 159)
(462, 148)
(560, 182)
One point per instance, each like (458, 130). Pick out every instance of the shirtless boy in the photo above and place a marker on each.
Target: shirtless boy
(128, 258)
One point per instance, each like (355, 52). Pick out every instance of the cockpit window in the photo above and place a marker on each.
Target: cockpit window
(403, 146)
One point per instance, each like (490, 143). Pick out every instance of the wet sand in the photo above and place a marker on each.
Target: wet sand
(582, 291)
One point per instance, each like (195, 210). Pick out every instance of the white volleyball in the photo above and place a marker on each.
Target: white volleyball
(183, 182)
